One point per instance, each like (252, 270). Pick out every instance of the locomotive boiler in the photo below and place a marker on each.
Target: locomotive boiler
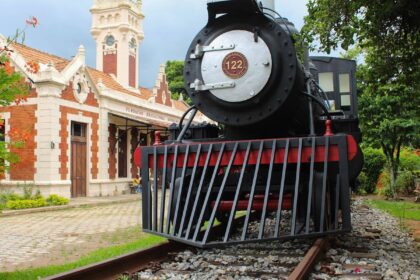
(280, 158)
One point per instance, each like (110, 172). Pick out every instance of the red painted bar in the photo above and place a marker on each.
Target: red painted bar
(352, 149)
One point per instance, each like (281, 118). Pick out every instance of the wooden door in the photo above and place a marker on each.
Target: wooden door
(78, 160)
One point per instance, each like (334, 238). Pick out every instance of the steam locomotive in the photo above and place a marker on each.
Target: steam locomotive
(285, 153)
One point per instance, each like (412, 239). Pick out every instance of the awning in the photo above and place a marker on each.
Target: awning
(140, 123)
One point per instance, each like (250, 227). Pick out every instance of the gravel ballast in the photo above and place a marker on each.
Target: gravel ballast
(377, 247)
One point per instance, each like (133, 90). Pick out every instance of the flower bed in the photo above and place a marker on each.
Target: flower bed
(15, 201)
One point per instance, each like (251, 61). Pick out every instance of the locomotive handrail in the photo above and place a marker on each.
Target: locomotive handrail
(314, 98)
(184, 129)
(320, 89)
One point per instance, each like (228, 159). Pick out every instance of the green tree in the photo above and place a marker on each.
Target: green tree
(13, 90)
(389, 111)
(385, 24)
(387, 35)
(175, 76)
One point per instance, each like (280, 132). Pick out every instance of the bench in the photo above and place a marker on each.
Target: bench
(132, 188)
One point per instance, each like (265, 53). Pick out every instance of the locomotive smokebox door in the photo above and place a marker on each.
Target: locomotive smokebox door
(235, 72)
(246, 66)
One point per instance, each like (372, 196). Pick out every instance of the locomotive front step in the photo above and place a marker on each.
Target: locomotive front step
(294, 187)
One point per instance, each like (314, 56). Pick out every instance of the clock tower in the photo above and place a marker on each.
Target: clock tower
(117, 27)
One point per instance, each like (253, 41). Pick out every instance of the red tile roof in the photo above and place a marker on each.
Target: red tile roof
(146, 93)
(31, 54)
(108, 81)
(180, 105)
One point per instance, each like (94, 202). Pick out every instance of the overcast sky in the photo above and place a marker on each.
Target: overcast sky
(169, 27)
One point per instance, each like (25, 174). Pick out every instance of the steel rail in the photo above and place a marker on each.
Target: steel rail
(138, 260)
(115, 267)
(129, 263)
(302, 270)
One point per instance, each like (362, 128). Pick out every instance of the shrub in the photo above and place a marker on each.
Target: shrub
(405, 182)
(383, 185)
(37, 194)
(360, 190)
(409, 160)
(26, 203)
(4, 197)
(7, 196)
(14, 201)
(374, 161)
(27, 192)
(54, 199)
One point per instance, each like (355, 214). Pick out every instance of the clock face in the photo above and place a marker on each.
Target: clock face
(110, 40)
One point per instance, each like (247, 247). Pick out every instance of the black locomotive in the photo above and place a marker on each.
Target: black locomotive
(282, 157)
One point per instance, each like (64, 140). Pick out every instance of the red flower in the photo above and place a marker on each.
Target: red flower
(32, 21)
(32, 67)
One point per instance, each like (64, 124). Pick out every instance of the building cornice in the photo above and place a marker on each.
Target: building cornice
(139, 102)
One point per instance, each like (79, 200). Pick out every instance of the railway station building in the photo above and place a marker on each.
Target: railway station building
(83, 124)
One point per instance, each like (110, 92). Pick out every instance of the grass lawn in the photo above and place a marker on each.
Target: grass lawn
(398, 209)
(93, 257)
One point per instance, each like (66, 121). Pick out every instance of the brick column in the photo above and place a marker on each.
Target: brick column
(22, 120)
(112, 159)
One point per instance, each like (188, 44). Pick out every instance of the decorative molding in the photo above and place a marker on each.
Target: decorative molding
(48, 90)
(80, 88)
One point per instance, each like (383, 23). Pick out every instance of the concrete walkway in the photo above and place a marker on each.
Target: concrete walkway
(27, 237)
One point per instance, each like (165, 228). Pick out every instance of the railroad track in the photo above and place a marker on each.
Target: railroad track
(274, 260)
(163, 262)
(171, 260)
(373, 250)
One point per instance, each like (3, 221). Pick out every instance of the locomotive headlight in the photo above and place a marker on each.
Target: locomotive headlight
(247, 65)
